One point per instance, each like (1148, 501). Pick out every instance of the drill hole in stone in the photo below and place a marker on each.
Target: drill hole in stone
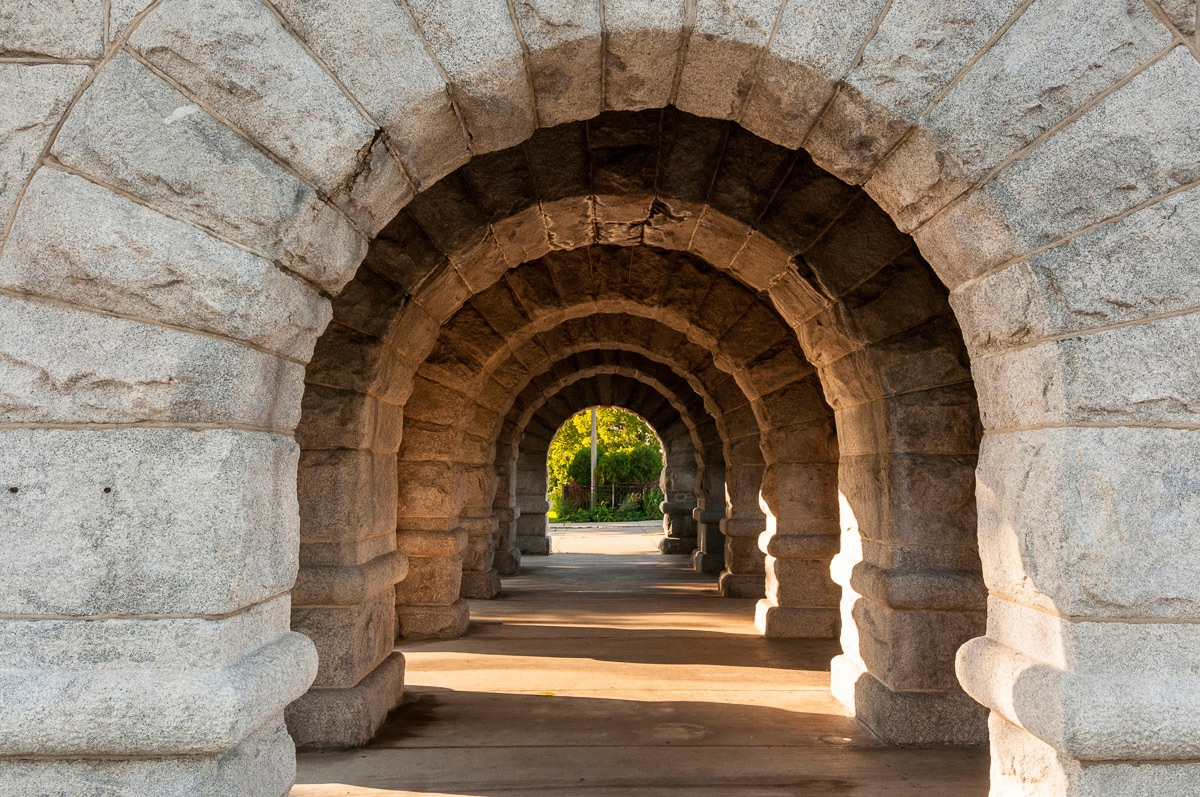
(14, 489)
(107, 490)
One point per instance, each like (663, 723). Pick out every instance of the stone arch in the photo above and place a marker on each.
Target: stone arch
(255, 179)
(686, 463)
(700, 483)
(713, 431)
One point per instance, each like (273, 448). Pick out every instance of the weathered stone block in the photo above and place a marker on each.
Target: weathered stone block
(734, 585)
(1090, 521)
(35, 98)
(350, 640)
(63, 365)
(294, 109)
(1144, 134)
(564, 41)
(262, 765)
(811, 50)
(340, 718)
(335, 418)
(801, 583)
(156, 521)
(197, 168)
(979, 134)
(643, 39)
(476, 45)
(120, 645)
(52, 29)
(84, 245)
(351, 584)
(372, 48)
(1130, 375)
(431, 581)
(480, 585)
(142, 712)
(346, 495)
(788, 622)
(722, 56)
(1143, 265)
(433, 622)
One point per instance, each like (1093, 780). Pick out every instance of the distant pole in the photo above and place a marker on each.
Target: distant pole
(593, 459)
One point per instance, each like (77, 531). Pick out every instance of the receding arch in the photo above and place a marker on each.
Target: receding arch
(253, 180)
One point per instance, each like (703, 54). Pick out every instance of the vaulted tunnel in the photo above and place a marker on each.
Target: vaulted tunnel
(819, 353)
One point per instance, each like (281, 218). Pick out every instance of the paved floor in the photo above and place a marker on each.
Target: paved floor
(609, 669)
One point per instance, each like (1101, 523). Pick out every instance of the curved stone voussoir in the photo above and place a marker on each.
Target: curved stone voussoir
(476, 45)
(133, 130)
(372, 48)
(78, 243)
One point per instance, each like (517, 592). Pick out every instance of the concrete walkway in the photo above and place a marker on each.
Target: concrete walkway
(609, 669)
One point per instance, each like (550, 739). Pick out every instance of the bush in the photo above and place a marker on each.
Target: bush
(654, 497)
(631, 508)
(558, 509)
(645, 464)
(602, 513)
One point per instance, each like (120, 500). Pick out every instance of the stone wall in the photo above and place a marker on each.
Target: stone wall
(184, 184)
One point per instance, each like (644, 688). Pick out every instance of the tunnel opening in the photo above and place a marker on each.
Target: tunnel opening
(805, 344)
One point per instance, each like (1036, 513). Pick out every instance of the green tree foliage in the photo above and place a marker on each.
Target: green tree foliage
(628, 450)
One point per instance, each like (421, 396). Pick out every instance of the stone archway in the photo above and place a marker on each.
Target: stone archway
(1059, 217)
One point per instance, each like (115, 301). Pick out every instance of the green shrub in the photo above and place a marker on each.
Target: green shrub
(654, 497)
(631, 508)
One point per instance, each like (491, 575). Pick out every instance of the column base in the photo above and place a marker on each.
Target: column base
(480, 586)
(432, 622)
(791, 622)
(907, 717)
(534, 546)
(736, 585)
(262, 765)
(341, 718)
(508, 563)
(1024, 764)
(705, 562)
(677, 546)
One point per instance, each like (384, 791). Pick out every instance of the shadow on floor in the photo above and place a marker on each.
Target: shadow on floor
(486, 744)
(582, 640)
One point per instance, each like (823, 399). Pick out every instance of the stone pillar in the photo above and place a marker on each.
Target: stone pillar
(508, 555)
(532, 506)
(678, 483)
(909, 569)
(743, 576)
(428, 603)
(145, 579)
(344, 599)
(1090, 661)
(709, 556)
(801, 505)
(679, 527)
(533, 525)
(480, 579)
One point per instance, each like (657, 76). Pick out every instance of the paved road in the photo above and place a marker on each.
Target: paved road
(609, 669)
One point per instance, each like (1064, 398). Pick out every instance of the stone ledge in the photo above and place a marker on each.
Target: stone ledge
(262, 765)
(738, 585)
(432, 622)
(349, 585)
(340, 718)
(534, 546)
(480, 586)
(907, 717)
(56, 712)
(793, 622)
(1138, 716)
